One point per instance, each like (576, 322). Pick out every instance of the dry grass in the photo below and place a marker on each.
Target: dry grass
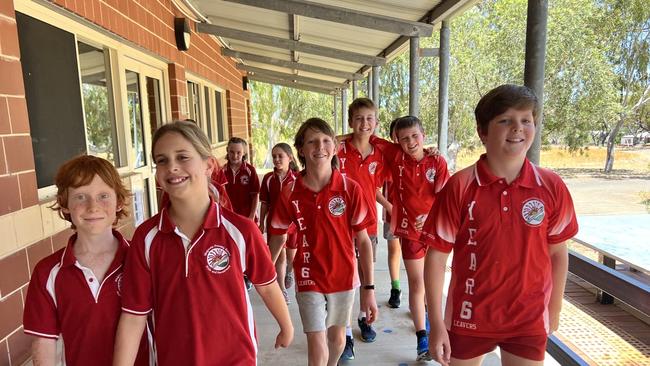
(590, 161)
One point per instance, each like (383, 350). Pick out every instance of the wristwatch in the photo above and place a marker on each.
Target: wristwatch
(368, 287)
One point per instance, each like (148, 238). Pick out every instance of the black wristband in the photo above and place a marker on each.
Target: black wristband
(369, 287)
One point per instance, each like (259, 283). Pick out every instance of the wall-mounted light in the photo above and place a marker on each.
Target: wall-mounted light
(182, 33)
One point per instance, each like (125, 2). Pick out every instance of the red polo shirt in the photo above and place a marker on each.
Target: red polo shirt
(64, 298)
(415, 185)
(242, 186)
(270, 191)
(500, 233)
(201, 309)
(367, 172)
(325, 261)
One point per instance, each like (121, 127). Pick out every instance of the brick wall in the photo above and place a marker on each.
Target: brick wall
(28, 228)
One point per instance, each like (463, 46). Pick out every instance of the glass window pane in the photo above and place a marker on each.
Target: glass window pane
(155, 107)
(135, 118)
(221, 131)
(208, 116)
(194, 102)
(101, 131)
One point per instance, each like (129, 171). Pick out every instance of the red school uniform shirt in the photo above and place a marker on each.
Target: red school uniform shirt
(202, 312)
(367, 172)
(65, 299)
(415, 186)
(270, 191)
(326, 221)
(500, 234)
(241, 187)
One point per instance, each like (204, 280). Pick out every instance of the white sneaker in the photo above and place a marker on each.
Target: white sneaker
(286, 297)
(288, 280)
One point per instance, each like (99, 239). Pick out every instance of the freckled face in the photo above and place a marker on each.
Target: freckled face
(93, 207)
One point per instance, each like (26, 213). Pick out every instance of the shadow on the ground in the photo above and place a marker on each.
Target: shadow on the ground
(617, 174)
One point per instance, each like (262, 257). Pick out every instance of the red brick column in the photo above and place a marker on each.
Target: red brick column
(17, 187)
(178, 90)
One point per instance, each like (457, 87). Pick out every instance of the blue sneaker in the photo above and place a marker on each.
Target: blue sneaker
(348, 351)
(423, 349)
(367, 333)
(426, 323)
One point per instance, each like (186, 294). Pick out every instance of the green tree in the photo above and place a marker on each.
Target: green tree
(277, 113)
(629, 34)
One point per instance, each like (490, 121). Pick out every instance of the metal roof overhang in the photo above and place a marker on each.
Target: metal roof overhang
(317, 45)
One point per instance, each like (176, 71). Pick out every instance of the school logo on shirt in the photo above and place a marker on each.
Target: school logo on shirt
(118, 284)
(430, 174)
(336, 206)
(244, 179)
(217, 258)
(533, 212)
(372, 167)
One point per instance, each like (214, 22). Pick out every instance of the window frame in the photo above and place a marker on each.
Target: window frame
(116, 51)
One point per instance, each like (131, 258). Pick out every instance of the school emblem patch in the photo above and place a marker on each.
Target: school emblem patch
(336, 206)
(372, 167)
(118, 284)
(217, 258)
(431, 174)
(244, 179)
(533, 212)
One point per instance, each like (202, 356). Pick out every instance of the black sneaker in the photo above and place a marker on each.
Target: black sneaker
(348, 351)
(367, 333)
(395, 296)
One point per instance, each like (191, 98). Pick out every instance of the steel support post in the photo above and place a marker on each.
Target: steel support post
(534, 66)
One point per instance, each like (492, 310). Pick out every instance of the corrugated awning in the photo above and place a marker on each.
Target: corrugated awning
(317, 45)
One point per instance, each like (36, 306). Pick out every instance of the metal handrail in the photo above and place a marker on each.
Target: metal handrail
(625, 288)
(563, 354)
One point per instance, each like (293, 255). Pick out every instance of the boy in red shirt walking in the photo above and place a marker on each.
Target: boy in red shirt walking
(507, 221)
(328, 210)
(363, 163)
(417, 175)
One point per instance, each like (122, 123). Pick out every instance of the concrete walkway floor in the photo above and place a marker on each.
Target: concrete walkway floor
(395, 344)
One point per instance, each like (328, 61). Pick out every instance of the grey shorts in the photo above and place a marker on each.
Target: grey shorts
(320, 311)
(387, 234)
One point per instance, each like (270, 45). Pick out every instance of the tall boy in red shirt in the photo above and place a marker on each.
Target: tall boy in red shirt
(507, 221)
(328, 210)
(363, 163)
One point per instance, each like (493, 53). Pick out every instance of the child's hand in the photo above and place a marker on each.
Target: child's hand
(419, 222)
(431, 151)
(369, 305)
(284, 338)
(439, 346)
